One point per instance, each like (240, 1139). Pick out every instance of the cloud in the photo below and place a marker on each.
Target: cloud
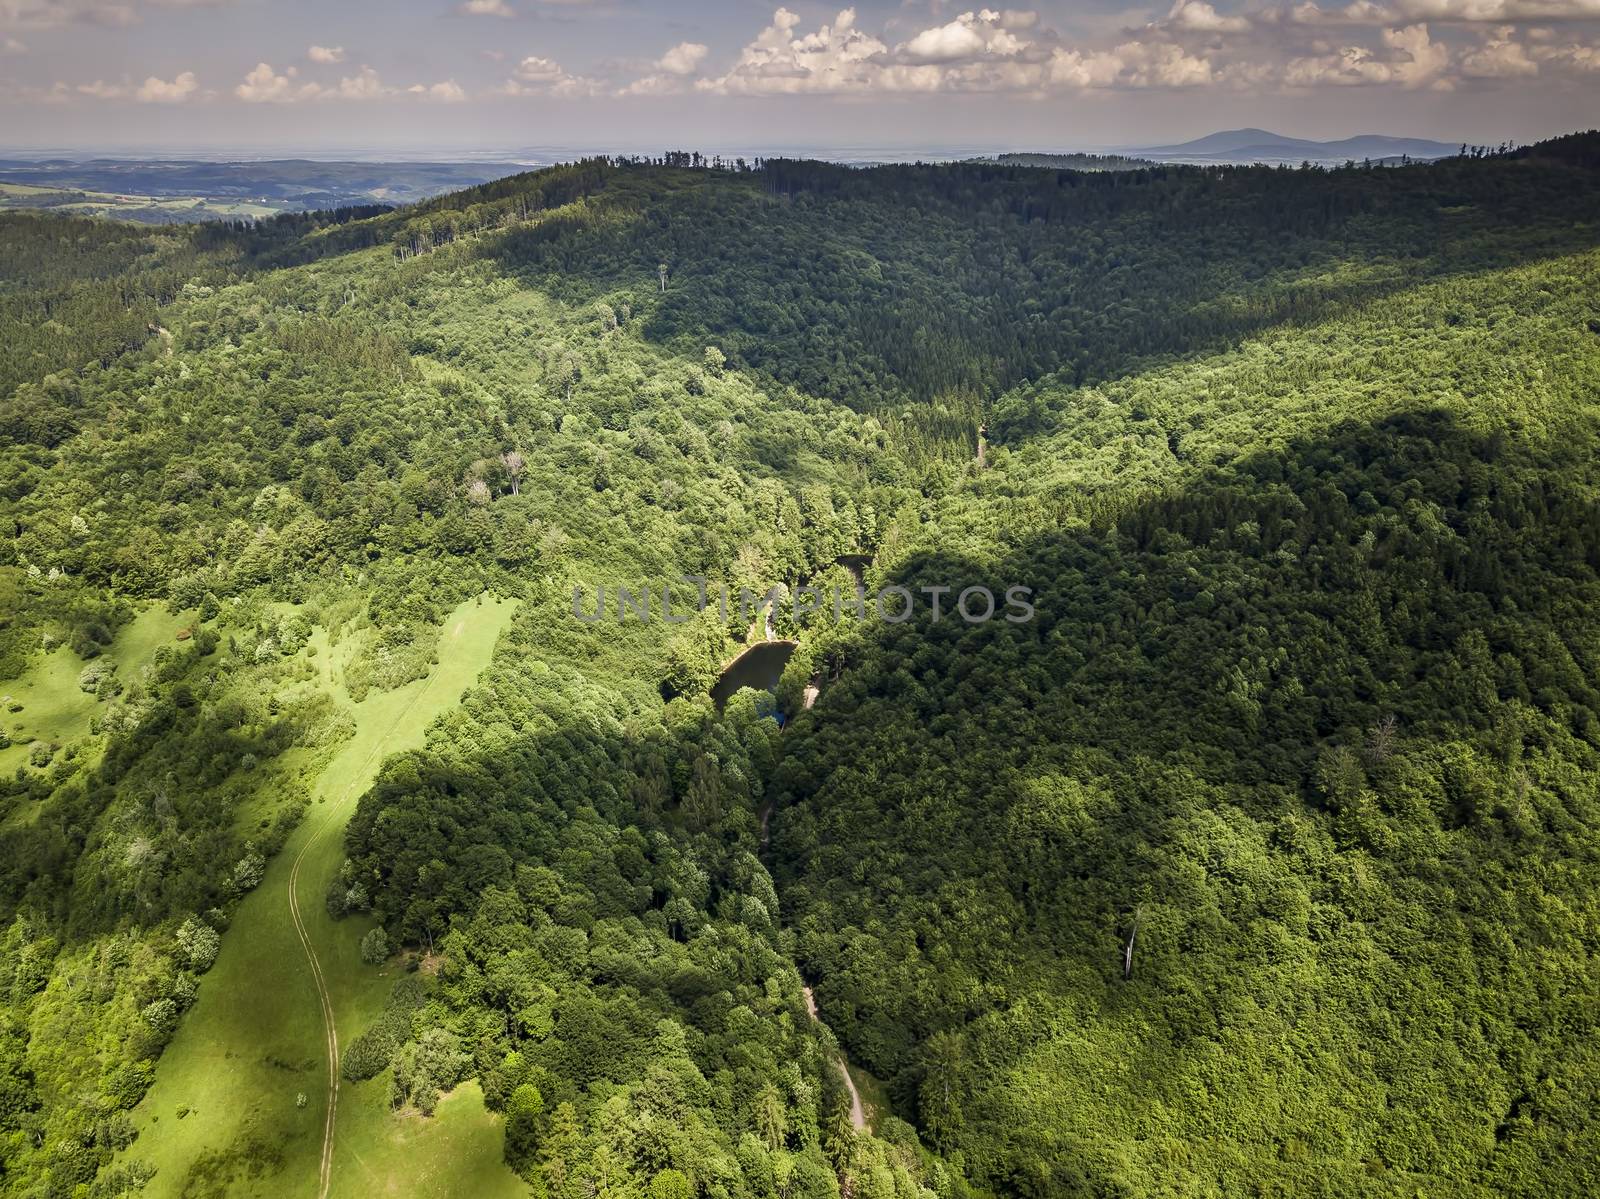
(447, 92)
(326, 54)
(46, 14)
(1498, 10)
(364, 85)
(671, 72)
(1361, 12)
(683, 58)
(539, 70)
(158, 91)
(1499, 57)
(153, 90)
(488, 8)
(1444, 12)
(535, 76)
(837, 58)
(101, 90)
(971, 35)
(1196, 16)
(1576, 57)
(1130, 65)
(978, 51)
(263, 85)
(1409, 58)
(14, 46)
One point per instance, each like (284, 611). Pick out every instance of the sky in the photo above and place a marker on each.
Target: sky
(464, 77)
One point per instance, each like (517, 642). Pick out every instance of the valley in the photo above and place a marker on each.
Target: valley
(1260, 858)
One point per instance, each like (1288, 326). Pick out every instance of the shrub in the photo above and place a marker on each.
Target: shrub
(198, 943)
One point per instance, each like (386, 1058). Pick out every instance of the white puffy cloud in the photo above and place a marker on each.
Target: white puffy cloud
(1132, 64)
(154, 90)
(683, 58)
(159, 91)
(326, 54)
(1500, 56)
(1421, 60)
(488, 8)
(971, 35)
(838, 57)
(1358, 12)
(535, 76)
(1575, 57)
(1409, 58)
(1196, 16)
(671, 72)
(15, 46)
(446, 92)
(364, 85)
(263, 85)
(539, 70)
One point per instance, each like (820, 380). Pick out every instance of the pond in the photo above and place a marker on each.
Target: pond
(857, 565)
(760, 666)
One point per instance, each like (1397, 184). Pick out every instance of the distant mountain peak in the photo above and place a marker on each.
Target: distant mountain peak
(1261, 145)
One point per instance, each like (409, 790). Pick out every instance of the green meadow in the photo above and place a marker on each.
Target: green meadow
(224, 1114)
(49, 704)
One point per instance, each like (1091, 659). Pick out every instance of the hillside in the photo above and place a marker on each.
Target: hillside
(1309, 701)
(340, 858)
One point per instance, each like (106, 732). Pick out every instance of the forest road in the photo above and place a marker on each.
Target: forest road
(331, 819)
(858, 1113)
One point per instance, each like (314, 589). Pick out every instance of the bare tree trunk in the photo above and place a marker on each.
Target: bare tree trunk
(1127, 956)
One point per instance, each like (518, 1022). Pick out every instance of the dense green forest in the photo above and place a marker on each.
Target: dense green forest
(1264, 859)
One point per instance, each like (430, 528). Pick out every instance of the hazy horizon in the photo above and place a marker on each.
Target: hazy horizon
(544, 155)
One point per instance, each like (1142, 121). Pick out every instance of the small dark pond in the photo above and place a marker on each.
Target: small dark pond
(760, 666)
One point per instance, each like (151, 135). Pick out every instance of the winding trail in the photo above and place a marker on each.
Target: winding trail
(858, 1113)
(330, 819)
(330, 1032)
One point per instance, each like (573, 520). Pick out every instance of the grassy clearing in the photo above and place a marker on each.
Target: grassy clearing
(456, 1151)
(54, 707)
(254, 1043)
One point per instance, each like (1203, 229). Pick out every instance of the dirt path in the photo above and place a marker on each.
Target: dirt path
(858, 1113)
(331, 819)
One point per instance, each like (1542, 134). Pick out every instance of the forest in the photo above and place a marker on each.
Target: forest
(336, 856)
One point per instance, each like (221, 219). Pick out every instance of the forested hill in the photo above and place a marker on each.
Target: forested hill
(874, 287)
(1263, 860)
(1267, 855)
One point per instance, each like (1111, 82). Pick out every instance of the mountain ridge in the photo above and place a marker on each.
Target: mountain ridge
(1262, 145)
